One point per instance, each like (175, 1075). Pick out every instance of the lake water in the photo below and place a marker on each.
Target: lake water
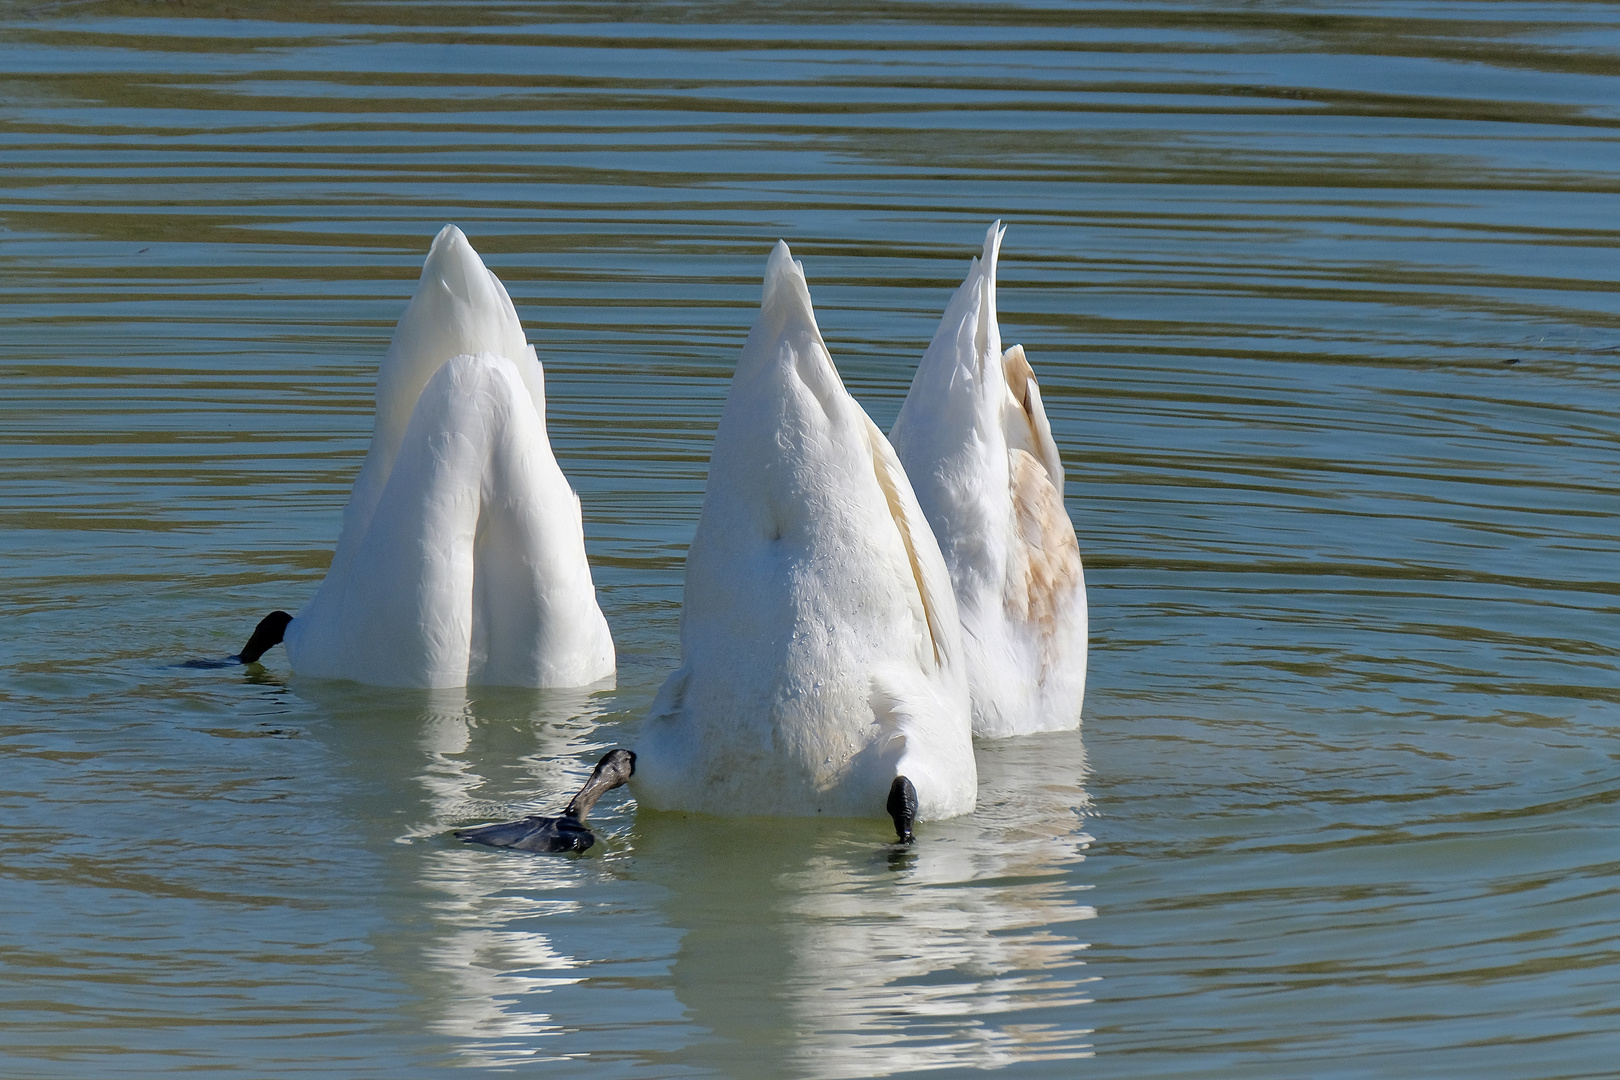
(1325, 302)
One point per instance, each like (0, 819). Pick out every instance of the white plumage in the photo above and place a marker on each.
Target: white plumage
(462, 555)
(821, 648)
(974, 439)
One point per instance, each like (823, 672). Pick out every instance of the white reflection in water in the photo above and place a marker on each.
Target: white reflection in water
(935, 969)
(444, 758)
(463, 758)
(763, 947)
(925, 975)
(811, 944)
(485, 973)
(490, 959)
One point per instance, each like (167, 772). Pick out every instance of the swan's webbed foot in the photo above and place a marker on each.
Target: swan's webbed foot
(535, 833)
(266, 635)
(902, 807)
(567, 832)
(614, 770)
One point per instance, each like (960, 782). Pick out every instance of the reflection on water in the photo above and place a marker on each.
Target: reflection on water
(960, 953)
(1325, 302)
(468, 934)
(814, 943)
(818, 946)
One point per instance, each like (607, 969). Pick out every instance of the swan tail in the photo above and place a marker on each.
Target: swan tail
(785, 335)
(959, 377)
(458, 308)
(925, 734)
(986, 331)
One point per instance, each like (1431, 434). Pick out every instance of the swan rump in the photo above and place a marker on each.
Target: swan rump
(462, 556)
(974, 439)
(820, 644)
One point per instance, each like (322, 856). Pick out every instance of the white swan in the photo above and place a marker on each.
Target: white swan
(974, 439)
(821, 649)
(462, 555)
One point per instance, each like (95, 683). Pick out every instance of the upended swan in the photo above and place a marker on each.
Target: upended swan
(974, 439)
(462, 554)
(821, 650)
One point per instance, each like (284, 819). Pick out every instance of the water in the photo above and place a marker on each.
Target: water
(1325, 302)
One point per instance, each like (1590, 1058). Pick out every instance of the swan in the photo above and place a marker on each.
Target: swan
(973, 436)
(821, 652)
(462, 554)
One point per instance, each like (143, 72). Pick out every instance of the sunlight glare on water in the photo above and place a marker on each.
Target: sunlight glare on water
(1324, 299)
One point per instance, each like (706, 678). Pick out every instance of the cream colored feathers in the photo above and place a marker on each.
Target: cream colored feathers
(974, 439)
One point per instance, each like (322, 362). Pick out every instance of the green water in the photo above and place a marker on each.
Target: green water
(1325, 303)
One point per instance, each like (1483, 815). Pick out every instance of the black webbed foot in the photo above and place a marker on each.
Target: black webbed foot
(902, 807)
(265, 636)
(567, 832)
(535, 833)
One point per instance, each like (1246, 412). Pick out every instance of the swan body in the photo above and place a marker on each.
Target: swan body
(821, 649)
(462, 555)
(974, 438)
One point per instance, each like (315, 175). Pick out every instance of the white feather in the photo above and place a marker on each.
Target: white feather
(821, 648)
(974, 438)
(462, 556)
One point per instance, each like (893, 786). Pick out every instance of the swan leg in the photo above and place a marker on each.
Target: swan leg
(902, 807)
(614, 770)
(567, 832)
(552, 835)
(267, 634)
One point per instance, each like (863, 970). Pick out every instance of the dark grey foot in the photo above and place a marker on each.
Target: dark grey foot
(902, 807)
(615, 769)
(567, 832)
(548, 834)
(265, 636)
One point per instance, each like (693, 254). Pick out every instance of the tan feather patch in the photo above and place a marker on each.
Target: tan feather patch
(1045, 567)
(1016, 367)
(1024, 423)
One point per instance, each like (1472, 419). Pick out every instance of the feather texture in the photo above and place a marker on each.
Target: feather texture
(462, 556)
(821, 647)
(974, 438)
